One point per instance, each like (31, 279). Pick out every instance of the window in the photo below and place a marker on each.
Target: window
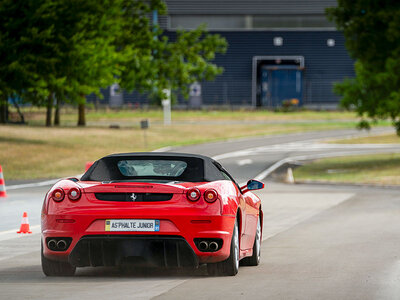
(291, 21)
(163, 168)
(212, 21)
(248, 21)
(226, 176)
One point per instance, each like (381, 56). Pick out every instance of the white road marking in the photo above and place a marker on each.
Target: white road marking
(243, 162)
(164, 149)
(41, 183)
(264, 174)
(29, 185)
(304, 146)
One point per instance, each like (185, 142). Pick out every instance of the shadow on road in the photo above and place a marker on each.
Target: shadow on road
(33, 273)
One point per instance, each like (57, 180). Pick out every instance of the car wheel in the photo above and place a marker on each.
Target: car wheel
(229, 267)
(56, 268)
(254, 260)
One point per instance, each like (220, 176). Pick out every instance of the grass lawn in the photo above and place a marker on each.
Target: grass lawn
(372, 169)
(131, 117)
(375, 139)
(28, 152)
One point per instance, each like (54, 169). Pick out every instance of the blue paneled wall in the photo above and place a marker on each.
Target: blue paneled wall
(323, 66)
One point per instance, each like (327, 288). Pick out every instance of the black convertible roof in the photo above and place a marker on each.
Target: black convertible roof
(200, 168)
(159, 154)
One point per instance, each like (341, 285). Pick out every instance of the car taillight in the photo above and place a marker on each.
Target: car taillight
(210, 195)
(193, 194)
(74, 194)
(58, 195)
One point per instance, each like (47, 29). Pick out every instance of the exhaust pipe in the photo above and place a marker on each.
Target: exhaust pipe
(62, 245)
(203, 245)
(213, 246)
(52, 244)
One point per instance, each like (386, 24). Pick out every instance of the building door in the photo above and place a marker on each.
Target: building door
(279, 84)
(277, 79)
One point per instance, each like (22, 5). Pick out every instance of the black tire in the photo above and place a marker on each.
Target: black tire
(229, 267)
(254, 260)
(56, 268)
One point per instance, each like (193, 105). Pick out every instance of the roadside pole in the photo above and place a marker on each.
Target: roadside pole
(144, 125)
(166, 103)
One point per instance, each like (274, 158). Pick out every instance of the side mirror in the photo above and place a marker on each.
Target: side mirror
(252, 185)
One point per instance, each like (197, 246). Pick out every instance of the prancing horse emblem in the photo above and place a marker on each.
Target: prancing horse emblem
(133, 197)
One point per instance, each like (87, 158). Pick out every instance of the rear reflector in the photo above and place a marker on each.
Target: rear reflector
(65, 221)
(200, 221)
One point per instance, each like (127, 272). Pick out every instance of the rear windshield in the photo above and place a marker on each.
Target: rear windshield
(152, 167)
(174, 168)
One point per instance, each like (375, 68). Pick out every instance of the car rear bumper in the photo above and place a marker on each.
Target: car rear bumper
(173, 245)
(112, 250)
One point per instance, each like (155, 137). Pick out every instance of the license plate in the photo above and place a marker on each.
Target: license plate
(132, 225)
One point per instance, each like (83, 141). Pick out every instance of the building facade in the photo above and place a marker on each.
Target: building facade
(278, 50)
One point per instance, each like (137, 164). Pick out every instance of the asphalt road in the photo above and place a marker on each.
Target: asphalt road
(320, 242)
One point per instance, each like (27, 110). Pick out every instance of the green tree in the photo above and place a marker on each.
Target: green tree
(18, 75)
(93, 62)
(56, 50)
(372, 32)
(152, 62)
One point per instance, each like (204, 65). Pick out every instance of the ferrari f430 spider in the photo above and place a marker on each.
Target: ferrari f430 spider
(152, 209)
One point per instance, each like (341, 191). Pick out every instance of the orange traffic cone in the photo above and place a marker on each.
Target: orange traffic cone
(24, 224)
(2, 184)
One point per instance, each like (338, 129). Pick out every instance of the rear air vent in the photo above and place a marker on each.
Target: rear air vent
(133, 197)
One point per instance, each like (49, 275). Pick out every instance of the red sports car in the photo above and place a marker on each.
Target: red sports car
(152, 209)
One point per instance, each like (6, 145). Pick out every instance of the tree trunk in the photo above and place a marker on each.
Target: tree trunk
(49, 111)
(3, 112)
(57, 113)
(21, 115)
(81, 114)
